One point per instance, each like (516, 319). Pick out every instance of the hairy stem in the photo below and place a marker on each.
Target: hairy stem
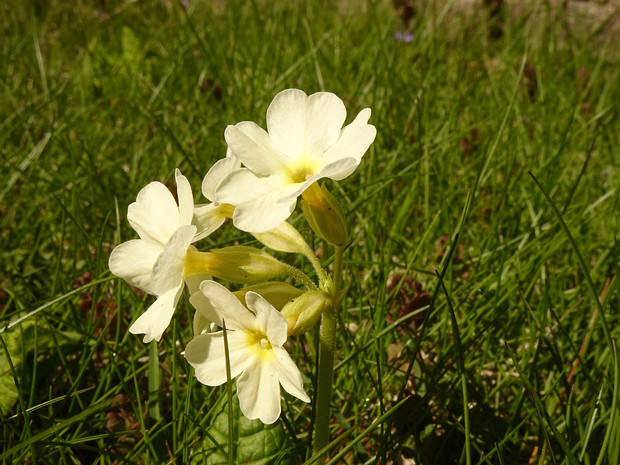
(327, 350)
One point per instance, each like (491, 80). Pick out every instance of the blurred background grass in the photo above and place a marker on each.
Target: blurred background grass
(101, 97)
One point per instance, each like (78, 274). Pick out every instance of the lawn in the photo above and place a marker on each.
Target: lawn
(482, 260)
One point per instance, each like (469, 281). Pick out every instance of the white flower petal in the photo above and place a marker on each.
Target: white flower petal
(286, 122)
(325, 115)
(201, 324)
(207, 218)
(168, 269)
(253, 348)
(339, 169)
(261, 203)
(258, 389)
(206, 354)
(253, 147)
(217, 172)
(354, 140)
(154, 215)
(134, 260)
(264, 214)
(289, 374)
(203, 305)
(304, 144)
(226, 306)
(268, 319)
(156, 319)
(242, 185)
(186, 198)
(193, 282)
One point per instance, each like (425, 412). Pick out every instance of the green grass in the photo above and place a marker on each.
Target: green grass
(99, 98)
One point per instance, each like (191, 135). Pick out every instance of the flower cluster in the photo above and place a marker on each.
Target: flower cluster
(256, 185)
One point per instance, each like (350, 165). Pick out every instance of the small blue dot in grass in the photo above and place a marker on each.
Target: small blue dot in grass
(404, 36)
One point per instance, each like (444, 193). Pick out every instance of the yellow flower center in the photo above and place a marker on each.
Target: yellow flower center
(225, 210)
(259, 341)
(301, 170)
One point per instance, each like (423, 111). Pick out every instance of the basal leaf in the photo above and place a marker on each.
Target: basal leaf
(255, 443)
(20, 342)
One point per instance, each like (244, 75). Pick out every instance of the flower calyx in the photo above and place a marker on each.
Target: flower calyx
(278, 294)
(284, 238)
(325, 214)
(236, 264)
(303, 312)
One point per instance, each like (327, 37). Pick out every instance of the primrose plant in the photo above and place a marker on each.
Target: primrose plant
(256, 185)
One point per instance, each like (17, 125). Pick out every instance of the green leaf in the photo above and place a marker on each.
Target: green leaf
(254, 442)
(19, 342)
(8, 389)
(132, 50)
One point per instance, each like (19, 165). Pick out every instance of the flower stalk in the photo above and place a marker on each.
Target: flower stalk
(325, 377)
(327, 350)
(154, 382)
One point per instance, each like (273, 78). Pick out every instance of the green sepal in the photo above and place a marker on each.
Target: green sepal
(236, 264)
(284, 238)
(340, 295)
(276, 293)
(325, 215)
(303, 312)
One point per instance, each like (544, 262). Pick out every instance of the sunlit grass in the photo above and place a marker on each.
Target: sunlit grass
(99, 98)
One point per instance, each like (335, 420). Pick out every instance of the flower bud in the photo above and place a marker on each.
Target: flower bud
(284, 238)
(325, 214)
(303, 312)
(236, 264)
(274, 292)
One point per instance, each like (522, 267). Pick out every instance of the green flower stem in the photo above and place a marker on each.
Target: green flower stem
(327, 350)
(302, 277)
(287, 238)
(154, 382)
(320, 272)
(325, 379)
(229, 391)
